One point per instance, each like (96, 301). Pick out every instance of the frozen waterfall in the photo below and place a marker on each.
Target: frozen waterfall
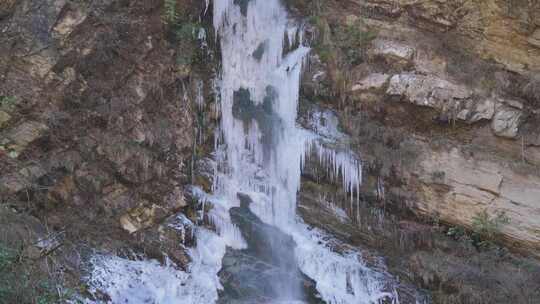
(260, 156)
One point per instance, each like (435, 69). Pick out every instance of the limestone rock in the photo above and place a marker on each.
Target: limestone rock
(393, 52)
(476, 111)
(471, 186)
(484, 109)
(429, 91)
(506, 122)
(534, 39)
(532, 155)
(143, 216)
(387, 7)
(375, 81)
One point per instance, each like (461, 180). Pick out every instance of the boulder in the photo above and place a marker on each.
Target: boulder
(506, 121)
(375, 81)
(143, 216)
(393, 52)
(474, 111)
(429, 91)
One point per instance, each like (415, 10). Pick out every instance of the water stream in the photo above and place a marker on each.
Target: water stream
(260, 251)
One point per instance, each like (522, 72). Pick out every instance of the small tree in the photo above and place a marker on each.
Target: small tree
(486, 227)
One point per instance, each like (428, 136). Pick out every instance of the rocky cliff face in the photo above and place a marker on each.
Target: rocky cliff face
(442, 99)
(96, 120)
(102, 126)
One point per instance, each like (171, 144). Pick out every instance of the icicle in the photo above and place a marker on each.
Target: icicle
(206, 5)
(199, 94)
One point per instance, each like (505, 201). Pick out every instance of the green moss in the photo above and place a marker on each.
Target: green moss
(170, 14)
(7, 102)
(486, 227)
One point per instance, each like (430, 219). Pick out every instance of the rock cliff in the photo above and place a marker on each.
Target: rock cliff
(107, 115)
(442, 101)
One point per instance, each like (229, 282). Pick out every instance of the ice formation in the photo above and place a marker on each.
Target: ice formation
(147, 281)
(342, 278)
(260, 151)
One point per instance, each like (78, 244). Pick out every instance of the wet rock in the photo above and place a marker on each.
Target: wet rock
(375, 81)
(4, 118)
(393, 52)
(143, 216)
(175, 200)
(268, 264)
(168, 241)
(506, 122)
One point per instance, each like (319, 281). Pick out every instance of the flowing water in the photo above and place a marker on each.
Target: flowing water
(260, 251)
